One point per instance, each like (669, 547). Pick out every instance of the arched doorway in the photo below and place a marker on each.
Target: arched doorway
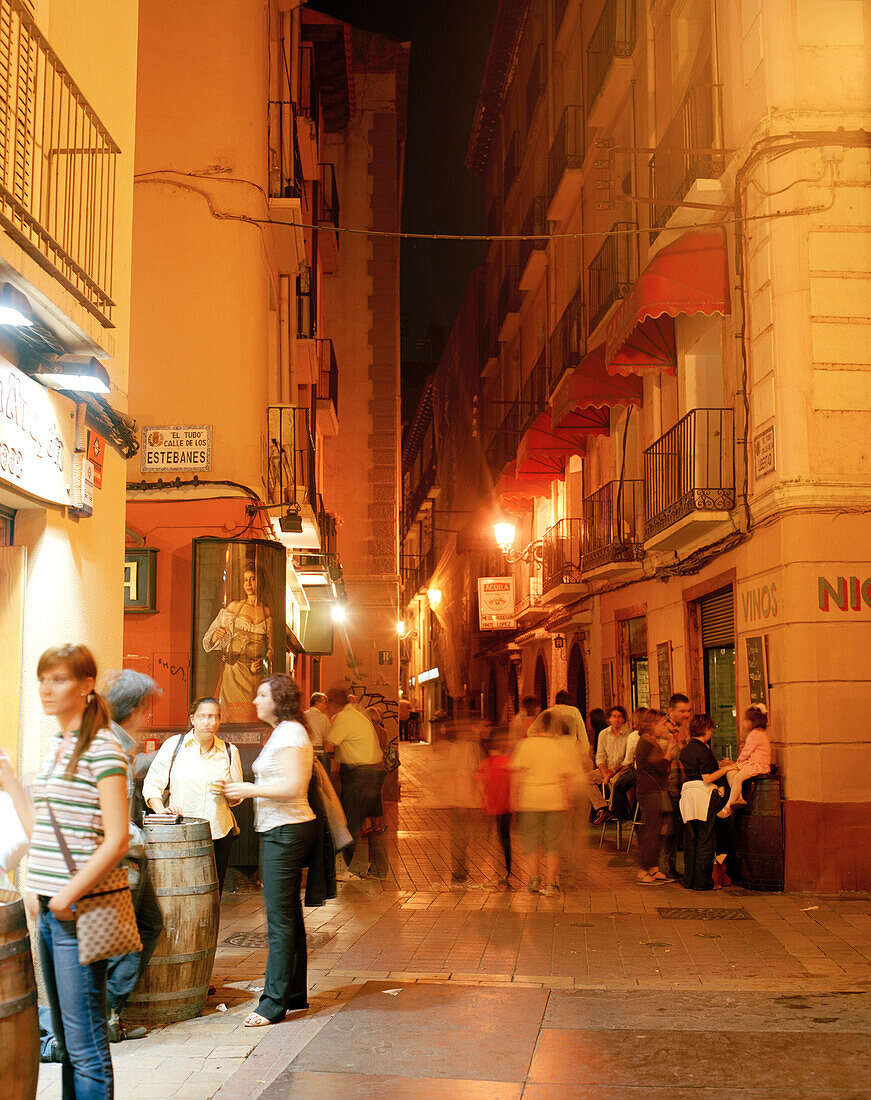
(577, 684)
(491, 703)
(540, 689)
(513, 690)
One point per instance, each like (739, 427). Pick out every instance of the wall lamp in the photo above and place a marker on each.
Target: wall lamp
(434, 595)
(338, 613)
(76, 375)
(504, 530)
(15, 309)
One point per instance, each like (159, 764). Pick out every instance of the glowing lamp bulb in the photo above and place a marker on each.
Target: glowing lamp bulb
(434, 596)
(504, 533)
(338, 613)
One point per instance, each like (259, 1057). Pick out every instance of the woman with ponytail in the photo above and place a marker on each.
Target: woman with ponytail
(81, 794)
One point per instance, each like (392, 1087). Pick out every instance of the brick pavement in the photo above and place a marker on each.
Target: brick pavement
(605, 933)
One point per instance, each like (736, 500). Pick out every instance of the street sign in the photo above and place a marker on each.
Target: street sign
(496, 603)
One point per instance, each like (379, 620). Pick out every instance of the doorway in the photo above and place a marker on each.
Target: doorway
(540, 683)
(577, 679)
(513, 690)
(717, 628)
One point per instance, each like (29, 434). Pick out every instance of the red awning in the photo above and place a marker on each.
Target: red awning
(585, 398)
(689, 276)
(511, 492)
(543, 450)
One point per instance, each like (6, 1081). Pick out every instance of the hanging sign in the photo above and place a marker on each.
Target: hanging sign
(177, 447)
(496, 604)
(96, 451)
(757, 668)
(37, 437)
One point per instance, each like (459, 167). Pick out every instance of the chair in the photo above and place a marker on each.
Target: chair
(619, 822)
(633, 828)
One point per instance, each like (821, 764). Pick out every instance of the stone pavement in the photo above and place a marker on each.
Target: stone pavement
(608, 989)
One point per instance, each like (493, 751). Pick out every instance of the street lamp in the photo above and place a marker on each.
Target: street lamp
(338, 613)
(400, 627)
(504, 531)
(434, 595)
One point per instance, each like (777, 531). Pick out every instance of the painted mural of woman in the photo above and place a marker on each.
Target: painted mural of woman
(242, 635)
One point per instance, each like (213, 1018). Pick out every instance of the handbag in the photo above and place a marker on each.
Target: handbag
(105, 918)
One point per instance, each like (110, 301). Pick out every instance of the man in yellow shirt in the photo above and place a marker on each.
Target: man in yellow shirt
(361, 772)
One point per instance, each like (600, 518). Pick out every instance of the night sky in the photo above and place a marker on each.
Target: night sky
(449, 40)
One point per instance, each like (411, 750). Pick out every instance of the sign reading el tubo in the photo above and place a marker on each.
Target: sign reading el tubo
(177, 447)
(37, 437)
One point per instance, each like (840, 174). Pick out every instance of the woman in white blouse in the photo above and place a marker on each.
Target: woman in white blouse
(287, 828)
(194, 765)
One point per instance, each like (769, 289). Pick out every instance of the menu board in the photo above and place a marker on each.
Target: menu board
(663, 664)
(757, 668)
(607, 687)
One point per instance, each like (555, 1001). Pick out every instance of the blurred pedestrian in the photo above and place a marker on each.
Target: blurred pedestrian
(288, 829)
(543, 770)
(651, 767)
(403, 711)
(194, 766)
(361, 772)
(80, 798)
(457, 754)
(129, 695)
(518, 728)
(493, 776)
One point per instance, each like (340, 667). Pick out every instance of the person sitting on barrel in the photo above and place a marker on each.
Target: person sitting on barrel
(755, 758)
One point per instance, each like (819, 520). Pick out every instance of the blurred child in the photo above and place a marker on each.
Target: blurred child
(493, 777)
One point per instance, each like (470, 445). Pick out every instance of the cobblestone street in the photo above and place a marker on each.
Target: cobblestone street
(608, 989)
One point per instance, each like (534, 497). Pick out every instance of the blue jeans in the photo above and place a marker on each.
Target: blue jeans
(124, 971)
(77, 998)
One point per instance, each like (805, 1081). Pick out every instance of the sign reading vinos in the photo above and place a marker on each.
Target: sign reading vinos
(496, 605)
(177, 447)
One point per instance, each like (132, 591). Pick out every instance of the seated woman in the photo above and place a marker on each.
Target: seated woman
(755, 758)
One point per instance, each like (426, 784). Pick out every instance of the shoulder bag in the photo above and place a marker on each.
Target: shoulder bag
(105, 918)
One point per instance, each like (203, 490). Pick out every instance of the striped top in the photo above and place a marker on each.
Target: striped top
(76, 805)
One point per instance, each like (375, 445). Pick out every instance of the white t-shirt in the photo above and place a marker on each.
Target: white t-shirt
(271, 812)
(631, 747)
(546, 766)
(319, 725)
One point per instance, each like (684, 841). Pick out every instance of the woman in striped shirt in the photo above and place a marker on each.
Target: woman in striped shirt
(84, 781)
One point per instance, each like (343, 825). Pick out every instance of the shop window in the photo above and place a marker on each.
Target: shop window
(6, 524)
(634, 649)
(717, 630)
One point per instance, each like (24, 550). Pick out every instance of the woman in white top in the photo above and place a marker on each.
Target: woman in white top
(194, 765)
(287, 828)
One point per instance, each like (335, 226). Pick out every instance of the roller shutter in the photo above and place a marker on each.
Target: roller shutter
(718, 619)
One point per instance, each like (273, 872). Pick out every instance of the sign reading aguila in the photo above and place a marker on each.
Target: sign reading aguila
(496, 606)
(177, 447)
(37, 436)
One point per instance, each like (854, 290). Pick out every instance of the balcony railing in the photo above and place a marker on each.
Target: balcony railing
(562, 553)
(503, 443)
(57, 165)
(416, 572)
(612, 520)
(567, 151)
(529, 583)
(488, 342)
(512, 163)
(610, 272)
(536, 83)
(532, 399)
(328, 197)
(614, 36)
(306, 310)
(509, 295)
(567, 340)
(328, 374)
(559, 13)
(691, 149)
(291, 466)
(309, 93)
(285, 163)
(494, 219)
(690, 469)
(534, 223)
(420, 490)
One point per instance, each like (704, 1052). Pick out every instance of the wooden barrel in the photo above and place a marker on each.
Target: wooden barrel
(759, 835)
(181, 863)
(19, 1022)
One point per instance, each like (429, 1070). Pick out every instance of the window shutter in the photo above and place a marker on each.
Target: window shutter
(718, 619)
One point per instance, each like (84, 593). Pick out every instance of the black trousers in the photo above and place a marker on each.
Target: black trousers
(361, 798)
(699, 848)
(222, 848)
(503, 828)
(283, 854)
(620, 788)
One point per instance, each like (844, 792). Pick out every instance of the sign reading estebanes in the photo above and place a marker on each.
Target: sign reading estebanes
(37, 435)
(177, 447)
(496, 607)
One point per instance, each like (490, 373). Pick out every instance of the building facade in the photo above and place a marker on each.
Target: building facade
(66, 197)
(236, 524)
(671, 390)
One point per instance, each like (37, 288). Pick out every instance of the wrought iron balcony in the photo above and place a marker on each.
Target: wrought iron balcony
(690, 470)
(534, 223)
(559, 13)
(57, 165)
(614, 36)
(691, 149)
(532, 399)
(502, 446)
(536, 84)
(291, 471)
(567, 341)
(612, 520)
(426, 487)
(565, 161)
(512, 163)
(285, 161)
(562, 554)
(488, 344)
(327, 390)
(508, 309)
(327, 209)
(306, 308)
(610, 272)
(416, 573)
(529, 584)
